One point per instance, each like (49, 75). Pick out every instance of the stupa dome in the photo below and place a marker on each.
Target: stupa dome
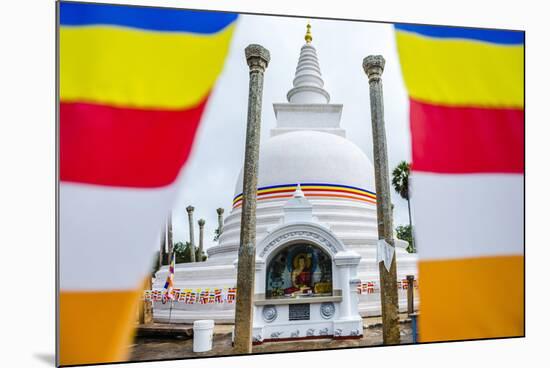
(307, 156)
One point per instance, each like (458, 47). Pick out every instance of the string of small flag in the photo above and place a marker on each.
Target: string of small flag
(371, 287)
(193, 296)
(169, 284)
(228, 295)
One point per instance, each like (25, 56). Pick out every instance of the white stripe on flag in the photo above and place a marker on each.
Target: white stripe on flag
(108, 235)
(464, 216)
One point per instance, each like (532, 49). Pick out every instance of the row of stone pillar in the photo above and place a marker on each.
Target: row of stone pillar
(167, 238)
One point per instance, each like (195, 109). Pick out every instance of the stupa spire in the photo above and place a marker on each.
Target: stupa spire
(308, 36)
(308, 83)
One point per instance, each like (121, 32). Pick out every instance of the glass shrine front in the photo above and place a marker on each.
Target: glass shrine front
(299, 270)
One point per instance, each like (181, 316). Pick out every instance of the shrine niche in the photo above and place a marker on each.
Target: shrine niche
(306, 280)
(299, 271)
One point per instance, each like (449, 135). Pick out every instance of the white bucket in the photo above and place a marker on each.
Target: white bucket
(203, 331)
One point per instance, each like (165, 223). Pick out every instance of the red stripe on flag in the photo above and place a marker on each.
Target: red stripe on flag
(466, 139)
(124, 147)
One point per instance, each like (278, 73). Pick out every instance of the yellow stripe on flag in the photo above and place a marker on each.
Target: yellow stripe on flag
(460, 72)
(471, 298)
(96, 327)
(132, 68)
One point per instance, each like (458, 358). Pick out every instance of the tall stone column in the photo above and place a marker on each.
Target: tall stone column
(190, 210)
(257, 59)
(170, 238)
(374, 67)
(162, 250)
(220, 221)
(146, 307)
(201, 238)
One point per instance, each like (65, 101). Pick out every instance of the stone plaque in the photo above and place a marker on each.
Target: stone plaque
(298, 312)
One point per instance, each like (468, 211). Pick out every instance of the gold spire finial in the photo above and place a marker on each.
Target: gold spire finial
(308, 37)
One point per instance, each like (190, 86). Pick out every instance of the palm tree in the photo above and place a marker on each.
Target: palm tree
(400, 182)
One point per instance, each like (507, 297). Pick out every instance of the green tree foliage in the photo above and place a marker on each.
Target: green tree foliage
(405, 233)
(400, 182)
(400, 179)
(183, 253)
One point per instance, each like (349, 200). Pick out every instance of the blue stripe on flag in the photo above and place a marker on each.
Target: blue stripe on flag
(488, 35)
(146, 18)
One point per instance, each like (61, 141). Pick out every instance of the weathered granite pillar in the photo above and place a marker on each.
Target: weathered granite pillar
(169, 238)
(162, 250)
(374, 67)
(146, 306)
(257, 58)
(190, 210)
(201, 238)
(410, 294)
(220, 221)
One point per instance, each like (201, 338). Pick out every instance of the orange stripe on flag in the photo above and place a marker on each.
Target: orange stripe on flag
(95, 327)
(471, 298)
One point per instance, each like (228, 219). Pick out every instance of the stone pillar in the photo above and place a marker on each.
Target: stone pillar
(201, 238)
(146, 306)
(162, 250)
(410, 294)
(169, 238)
(374, 67)
(257, 59)
(190, 210)
(346, 266)
(220, 221)
(345, 308)
(348, 322)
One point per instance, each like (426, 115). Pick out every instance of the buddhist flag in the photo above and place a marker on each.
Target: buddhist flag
(133, 84)
(169, 284)
(467, 129)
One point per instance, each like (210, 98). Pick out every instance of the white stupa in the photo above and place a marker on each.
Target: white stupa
(315, 191)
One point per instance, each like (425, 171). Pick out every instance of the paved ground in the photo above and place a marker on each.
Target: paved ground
(179, 345)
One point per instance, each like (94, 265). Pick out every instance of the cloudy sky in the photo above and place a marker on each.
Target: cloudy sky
(218, 154)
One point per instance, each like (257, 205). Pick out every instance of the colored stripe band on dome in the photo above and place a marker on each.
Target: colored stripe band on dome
(312, 190)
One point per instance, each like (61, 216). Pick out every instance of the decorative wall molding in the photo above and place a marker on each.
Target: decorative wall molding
(309, 232)
(327, 310)
(269, 313)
